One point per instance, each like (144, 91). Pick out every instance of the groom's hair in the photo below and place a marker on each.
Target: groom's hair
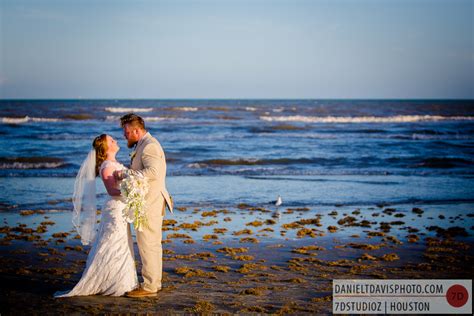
(133, 120)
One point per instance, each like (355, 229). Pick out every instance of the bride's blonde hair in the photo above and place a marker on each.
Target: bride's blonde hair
(100, 146)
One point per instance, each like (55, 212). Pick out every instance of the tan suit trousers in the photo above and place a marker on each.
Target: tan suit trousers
(151, 251)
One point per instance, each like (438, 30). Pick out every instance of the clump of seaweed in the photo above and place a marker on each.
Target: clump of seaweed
(232, 251)
(210, 213)
(255, 224)
(311, 221)
(249, 239)
(193, 226)
(363, 246)
(303, 232)
(372, 234)
(191, 272)
(253, 291)
(389, 211)
(60, 235)
(305, 250)
(169, 222)
(385, 227)
(295, 280)
(347, 221)
(211, 236)
(251, 267)
(366, 256)
(243, 232)
(177, 235)
(26, 212)
(293, 225)
(417, 210)
(450, 232)
(243, 257)
(253, 309)
(44, 223)
(220, 230)
(201, 307)
(223, 269)
(392, 239)
(390, 257)
(412, 238)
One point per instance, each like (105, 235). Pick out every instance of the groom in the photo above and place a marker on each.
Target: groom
(148, 159)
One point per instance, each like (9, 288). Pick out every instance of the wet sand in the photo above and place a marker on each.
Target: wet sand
(242, 259)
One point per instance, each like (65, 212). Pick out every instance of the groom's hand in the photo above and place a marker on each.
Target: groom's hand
(119, 175)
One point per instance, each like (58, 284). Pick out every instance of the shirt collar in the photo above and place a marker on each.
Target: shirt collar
(141, 140)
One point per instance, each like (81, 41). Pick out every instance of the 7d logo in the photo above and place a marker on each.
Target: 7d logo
(457, 295)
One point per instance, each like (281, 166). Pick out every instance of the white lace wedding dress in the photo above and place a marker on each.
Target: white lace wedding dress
(110, 267)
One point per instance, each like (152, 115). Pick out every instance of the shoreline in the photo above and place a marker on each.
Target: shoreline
(315, 191)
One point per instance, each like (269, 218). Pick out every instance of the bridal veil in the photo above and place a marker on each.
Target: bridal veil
(84, 200)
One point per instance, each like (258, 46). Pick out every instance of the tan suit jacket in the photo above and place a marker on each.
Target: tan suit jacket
(150, 161)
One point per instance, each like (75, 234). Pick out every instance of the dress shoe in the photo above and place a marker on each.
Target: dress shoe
(140, 293)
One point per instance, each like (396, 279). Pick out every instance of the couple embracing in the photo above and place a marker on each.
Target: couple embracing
(110, 267)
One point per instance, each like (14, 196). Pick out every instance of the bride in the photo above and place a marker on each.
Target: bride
(110, 267)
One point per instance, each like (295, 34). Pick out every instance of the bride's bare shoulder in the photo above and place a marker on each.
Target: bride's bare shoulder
(109, 166)
(110, 163)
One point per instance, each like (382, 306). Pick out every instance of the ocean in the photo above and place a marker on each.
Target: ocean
(319, 153)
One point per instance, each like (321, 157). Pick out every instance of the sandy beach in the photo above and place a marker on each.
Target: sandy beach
(241, 259)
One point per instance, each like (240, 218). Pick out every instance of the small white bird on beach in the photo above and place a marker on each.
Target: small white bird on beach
(279, 201)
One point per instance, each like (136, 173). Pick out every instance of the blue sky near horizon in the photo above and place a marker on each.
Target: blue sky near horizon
(237, 49)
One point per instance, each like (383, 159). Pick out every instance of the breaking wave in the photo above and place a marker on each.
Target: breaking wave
(26, 119)
(148, 119)
(31, 163)
(184, 109)
(365, 119)
(128, 110)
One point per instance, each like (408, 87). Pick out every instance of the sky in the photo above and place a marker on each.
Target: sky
(334, 49)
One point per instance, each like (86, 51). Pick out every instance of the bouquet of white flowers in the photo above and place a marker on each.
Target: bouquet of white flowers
(134, 189)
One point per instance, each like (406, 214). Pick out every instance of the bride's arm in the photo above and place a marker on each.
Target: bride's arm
(109, 181)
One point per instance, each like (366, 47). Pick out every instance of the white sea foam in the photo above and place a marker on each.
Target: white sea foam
(26, 119)
(440, 137)
(15, 120)
(30, 165)
(60, 136)
(365, 119)
(251, 109)
(197, 165)
(184, 109)
(45, 119)
(128, 110)
(147, 118)
(157, 119)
